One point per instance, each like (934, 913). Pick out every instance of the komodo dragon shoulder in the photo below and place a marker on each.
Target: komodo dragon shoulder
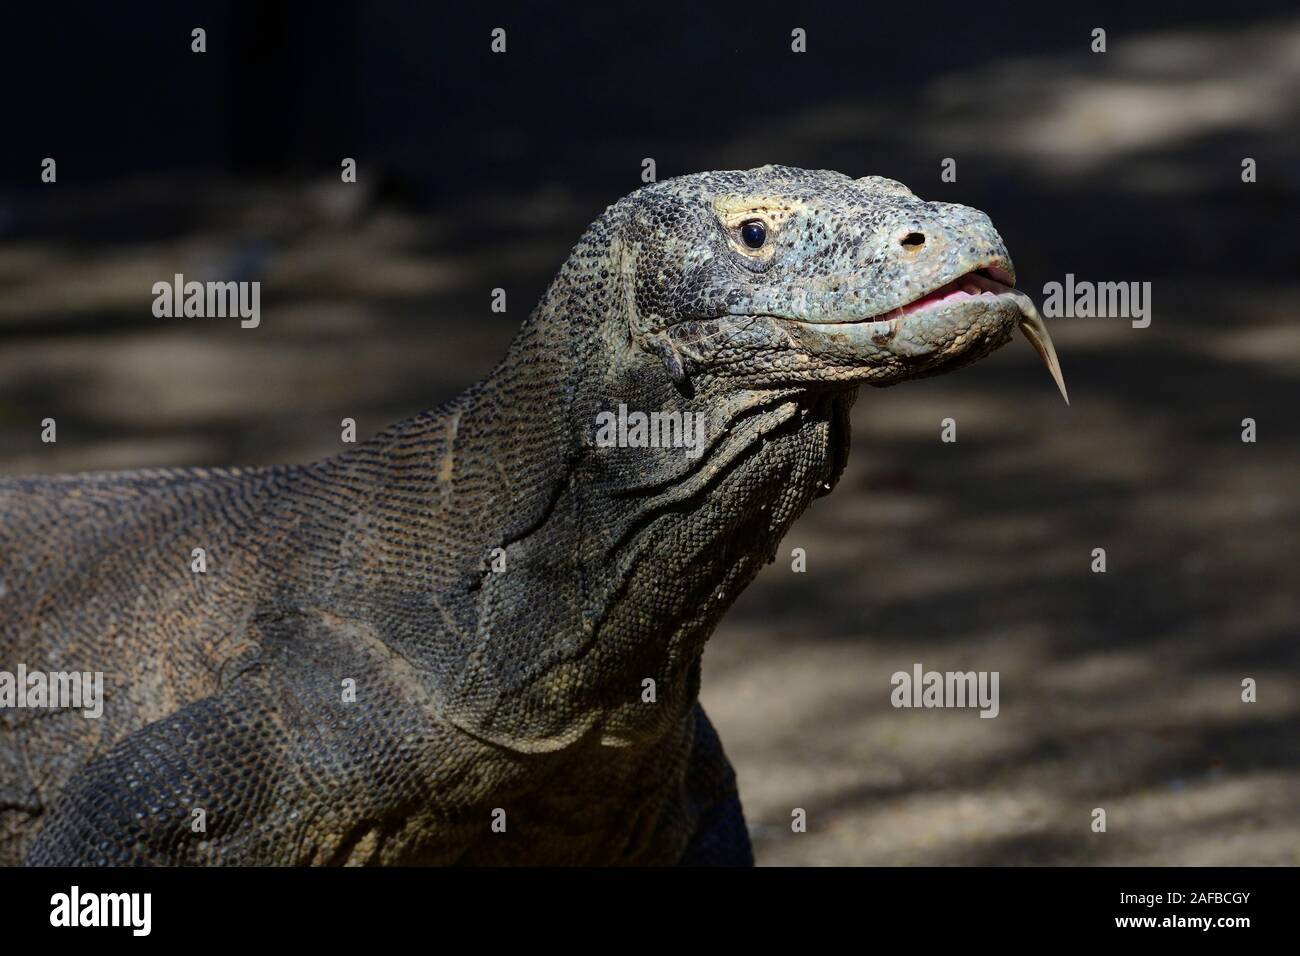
(436, 647)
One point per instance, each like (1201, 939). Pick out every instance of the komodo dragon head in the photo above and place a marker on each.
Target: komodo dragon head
(811, 276)
(678, 398)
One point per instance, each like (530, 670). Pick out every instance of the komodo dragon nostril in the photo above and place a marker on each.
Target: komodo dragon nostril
(912, 241)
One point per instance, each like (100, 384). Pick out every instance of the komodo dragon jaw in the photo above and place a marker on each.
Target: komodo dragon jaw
(823, 278)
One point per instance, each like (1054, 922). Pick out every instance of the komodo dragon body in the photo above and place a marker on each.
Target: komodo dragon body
(436, 647)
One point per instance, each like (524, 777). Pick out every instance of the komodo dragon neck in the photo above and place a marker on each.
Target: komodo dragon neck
(537, 579)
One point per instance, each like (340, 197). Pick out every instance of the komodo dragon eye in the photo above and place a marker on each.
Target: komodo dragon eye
(753, 233)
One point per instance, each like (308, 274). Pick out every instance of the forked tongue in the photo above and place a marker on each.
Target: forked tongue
(1035, 329)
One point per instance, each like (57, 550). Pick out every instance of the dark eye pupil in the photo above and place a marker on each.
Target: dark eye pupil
(754, 234)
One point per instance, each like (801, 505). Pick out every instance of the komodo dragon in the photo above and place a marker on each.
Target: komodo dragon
(494, 585)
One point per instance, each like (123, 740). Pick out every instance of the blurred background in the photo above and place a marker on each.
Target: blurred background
(1118, 690)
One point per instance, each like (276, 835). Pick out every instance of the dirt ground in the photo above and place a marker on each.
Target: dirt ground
(1119, 691)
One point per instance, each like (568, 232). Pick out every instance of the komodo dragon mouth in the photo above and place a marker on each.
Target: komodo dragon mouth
(996, 282)
(991, 280)
(986, 288)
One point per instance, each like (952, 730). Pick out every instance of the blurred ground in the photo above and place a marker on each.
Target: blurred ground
(1119, 690)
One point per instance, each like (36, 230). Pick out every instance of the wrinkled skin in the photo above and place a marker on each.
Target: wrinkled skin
(478, 688)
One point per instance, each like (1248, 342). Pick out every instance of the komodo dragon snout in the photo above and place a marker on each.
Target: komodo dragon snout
(811, 276)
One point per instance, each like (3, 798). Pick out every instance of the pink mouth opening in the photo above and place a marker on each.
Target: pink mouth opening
(969, 286)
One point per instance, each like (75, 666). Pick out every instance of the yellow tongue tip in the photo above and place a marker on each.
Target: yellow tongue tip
(1035, 330)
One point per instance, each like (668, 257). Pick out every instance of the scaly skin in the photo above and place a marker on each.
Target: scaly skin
(477, 689)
